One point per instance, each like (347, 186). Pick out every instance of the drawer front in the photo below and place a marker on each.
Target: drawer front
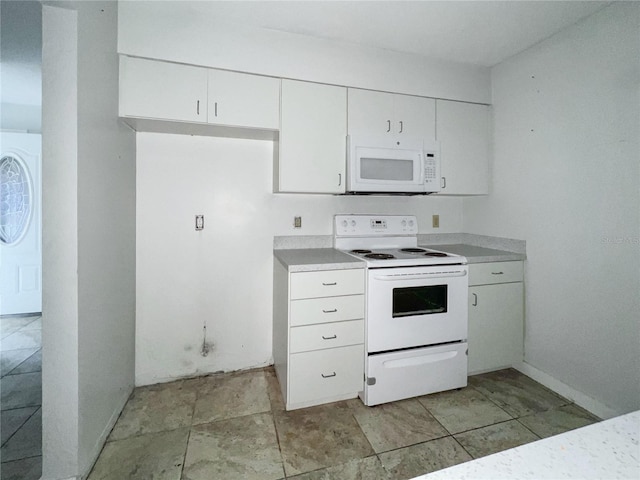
(325, 373)
(326, 283)
(323, 310)
(495, 272)
(326, 335)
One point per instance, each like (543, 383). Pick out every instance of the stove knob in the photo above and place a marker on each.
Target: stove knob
(345, 223)
(404, 223)
(353, 223)
(411, 223)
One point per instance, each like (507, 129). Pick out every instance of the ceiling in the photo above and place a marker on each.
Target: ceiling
(475, 32)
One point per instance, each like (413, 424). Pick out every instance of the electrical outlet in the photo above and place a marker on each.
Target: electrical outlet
(435, 221)
(199, 222)
(297, 222)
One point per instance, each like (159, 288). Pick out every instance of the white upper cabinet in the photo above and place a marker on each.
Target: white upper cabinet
(313, 129)
(464, 133)
(239, 99)
(161, 90)
(377, 113)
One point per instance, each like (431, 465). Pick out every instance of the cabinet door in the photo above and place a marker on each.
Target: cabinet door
(463, 130)
(370, 112)
(313, 129)
(496, 326)
(414, 116)
(243, 100)
(167, 91)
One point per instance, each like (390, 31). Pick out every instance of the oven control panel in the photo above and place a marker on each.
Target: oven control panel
(375, 225)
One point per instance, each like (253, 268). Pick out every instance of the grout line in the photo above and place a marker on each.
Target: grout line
(462, 446)
(184, 455)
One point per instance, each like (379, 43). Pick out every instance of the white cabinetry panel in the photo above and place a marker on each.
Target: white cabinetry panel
(162, 90)
(326, 335)
(328, 309)
(239, 99)
(464, 133)
(313, 129)
(327, 283)
(496, 316)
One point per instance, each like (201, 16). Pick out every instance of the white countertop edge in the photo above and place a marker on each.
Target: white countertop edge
(605, 450)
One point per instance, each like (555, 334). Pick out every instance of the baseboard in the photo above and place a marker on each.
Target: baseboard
(97, 449)
(581, 399)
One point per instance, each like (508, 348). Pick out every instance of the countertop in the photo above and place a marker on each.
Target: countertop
(477, 254)
(604, 450)
(312, 259)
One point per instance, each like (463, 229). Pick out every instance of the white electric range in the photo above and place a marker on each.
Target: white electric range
(416, 308)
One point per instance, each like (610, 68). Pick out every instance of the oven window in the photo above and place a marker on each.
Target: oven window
(426, 300)
(386, 169)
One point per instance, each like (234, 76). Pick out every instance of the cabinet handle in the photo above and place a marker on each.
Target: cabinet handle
(401, 126)
(444, 182)
(329, 338)
(339, 179)
(215, 109)
(329, 284)
(330, 311)
(388, 126)
(328, 376)
(497, 273)
(198, 107)
(475, 300)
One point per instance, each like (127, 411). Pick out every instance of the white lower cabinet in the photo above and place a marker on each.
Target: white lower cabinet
(496, 316)
(318, 335)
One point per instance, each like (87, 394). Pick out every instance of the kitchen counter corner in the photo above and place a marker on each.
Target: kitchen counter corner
(476, 254)
(313, 259)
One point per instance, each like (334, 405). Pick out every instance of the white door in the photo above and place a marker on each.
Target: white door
(20, 223)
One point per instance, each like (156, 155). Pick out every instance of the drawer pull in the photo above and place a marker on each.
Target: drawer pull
(475, 300)
(497, 273)
(329, 284)
(330, 311)
(328, 376)
(329, 338)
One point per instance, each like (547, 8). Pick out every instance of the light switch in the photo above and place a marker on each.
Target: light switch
(199, 222)
(297, 222)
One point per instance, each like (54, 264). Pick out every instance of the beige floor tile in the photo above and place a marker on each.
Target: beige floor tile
(275, 392)
(26, 469)
(461, 410)
(495, 438)
(555, 421)
(26, 442)
(369, 468)
(319, 437)
(22, 339)
(229, 396)
(157, 456)
(398, 424)
(156, 408)
(423, 458)
(243, 448)
(516, 393)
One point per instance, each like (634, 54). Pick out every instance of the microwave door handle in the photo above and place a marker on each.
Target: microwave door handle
(401, 277)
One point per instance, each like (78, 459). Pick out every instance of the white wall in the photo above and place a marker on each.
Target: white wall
(88, 236)
(190, 32)
(222, 276)
(566, 178)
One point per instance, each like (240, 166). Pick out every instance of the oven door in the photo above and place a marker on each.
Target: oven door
(416, 306)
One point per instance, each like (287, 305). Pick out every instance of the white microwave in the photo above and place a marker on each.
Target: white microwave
(392, 165)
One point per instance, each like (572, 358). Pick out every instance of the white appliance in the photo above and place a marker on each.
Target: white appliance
(416, 308)
(392, 165)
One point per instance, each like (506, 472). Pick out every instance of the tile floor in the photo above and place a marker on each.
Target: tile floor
(21, 397)
(234, 426)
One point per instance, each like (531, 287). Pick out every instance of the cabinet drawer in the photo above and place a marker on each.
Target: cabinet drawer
(323, 310)
(495, 272)
(326, 335)
(325, 373)
(327, 283)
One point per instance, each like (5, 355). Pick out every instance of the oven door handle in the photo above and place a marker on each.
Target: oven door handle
(419, 276)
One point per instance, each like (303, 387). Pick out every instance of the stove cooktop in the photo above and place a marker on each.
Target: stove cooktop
(409, 256)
